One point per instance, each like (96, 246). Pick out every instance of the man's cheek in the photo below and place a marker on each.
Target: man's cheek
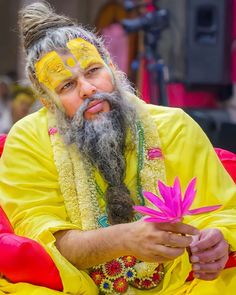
(56, 100)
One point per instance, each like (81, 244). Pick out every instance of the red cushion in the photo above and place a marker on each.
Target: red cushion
(22, 259)
(5, 226)
(25, 260)
(3, 138)
(228, 159)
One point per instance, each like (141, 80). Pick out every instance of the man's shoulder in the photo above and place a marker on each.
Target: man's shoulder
(31, 130)
(163, 116)
(170, 123)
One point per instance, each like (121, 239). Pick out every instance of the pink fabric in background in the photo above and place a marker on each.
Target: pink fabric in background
(179, 96)
(144, 81)
(117, 43)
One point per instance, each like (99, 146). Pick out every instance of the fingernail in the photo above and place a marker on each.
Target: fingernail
(196, 267)
(194, 249)
(194, 259)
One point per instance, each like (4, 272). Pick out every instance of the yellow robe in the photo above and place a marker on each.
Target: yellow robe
(30, 195)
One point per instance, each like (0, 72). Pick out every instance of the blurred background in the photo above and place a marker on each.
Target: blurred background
(178, 53)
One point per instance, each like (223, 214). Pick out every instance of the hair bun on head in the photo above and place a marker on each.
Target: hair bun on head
(36, 19)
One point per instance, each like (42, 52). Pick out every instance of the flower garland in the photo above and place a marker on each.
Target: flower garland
(118, 274)
(79, 190)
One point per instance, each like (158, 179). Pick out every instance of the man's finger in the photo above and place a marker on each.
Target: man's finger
(207, 239)
(212, 254)
(168, 252)
(179, 228)
(210, 267)
(206, 276)
(173, 240)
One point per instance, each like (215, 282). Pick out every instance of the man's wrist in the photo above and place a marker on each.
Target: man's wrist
(121, 234)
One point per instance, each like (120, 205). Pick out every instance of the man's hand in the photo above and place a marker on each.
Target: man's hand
(210, 253)
(150, 242)
(158, 242)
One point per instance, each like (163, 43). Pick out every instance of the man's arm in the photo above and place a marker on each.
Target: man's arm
(190, 155)
(150, 242)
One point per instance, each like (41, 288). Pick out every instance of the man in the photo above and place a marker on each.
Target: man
(71, 173)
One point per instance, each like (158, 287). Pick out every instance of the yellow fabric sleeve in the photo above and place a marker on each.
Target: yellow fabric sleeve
(31, 197)
(187, 154)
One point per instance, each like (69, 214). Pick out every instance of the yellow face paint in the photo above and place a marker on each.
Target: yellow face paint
(70, 62)
(52, 69)
(85, 52)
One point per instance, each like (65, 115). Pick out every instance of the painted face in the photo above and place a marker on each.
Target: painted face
(74, 74)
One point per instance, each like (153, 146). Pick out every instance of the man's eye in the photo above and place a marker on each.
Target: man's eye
(92, 70)
(68, 85)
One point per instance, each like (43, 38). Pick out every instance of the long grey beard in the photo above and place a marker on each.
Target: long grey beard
(102, 142)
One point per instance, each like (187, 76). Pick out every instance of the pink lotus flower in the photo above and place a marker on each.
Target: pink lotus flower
(172, 207)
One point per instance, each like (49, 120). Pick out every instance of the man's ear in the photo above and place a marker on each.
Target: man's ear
(112, 66)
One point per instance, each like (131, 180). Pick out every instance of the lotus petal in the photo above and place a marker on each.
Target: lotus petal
(203, 209)
(161, 220)
(166, 193)
(148, 211)
(177, 197)
(155, 200)
(189, 195)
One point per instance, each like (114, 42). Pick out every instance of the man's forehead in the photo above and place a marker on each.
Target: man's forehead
(59, 65)
(81, 49)
(76, 51)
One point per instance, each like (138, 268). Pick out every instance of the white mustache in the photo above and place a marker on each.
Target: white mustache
(112, 98)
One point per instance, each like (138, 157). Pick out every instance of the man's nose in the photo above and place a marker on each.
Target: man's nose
(86, 89)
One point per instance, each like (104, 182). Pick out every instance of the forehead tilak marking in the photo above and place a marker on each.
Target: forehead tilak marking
(58, 65)
(85, 52)
(50, 70)
(91, 41)
(70, 62)
(68, 59)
